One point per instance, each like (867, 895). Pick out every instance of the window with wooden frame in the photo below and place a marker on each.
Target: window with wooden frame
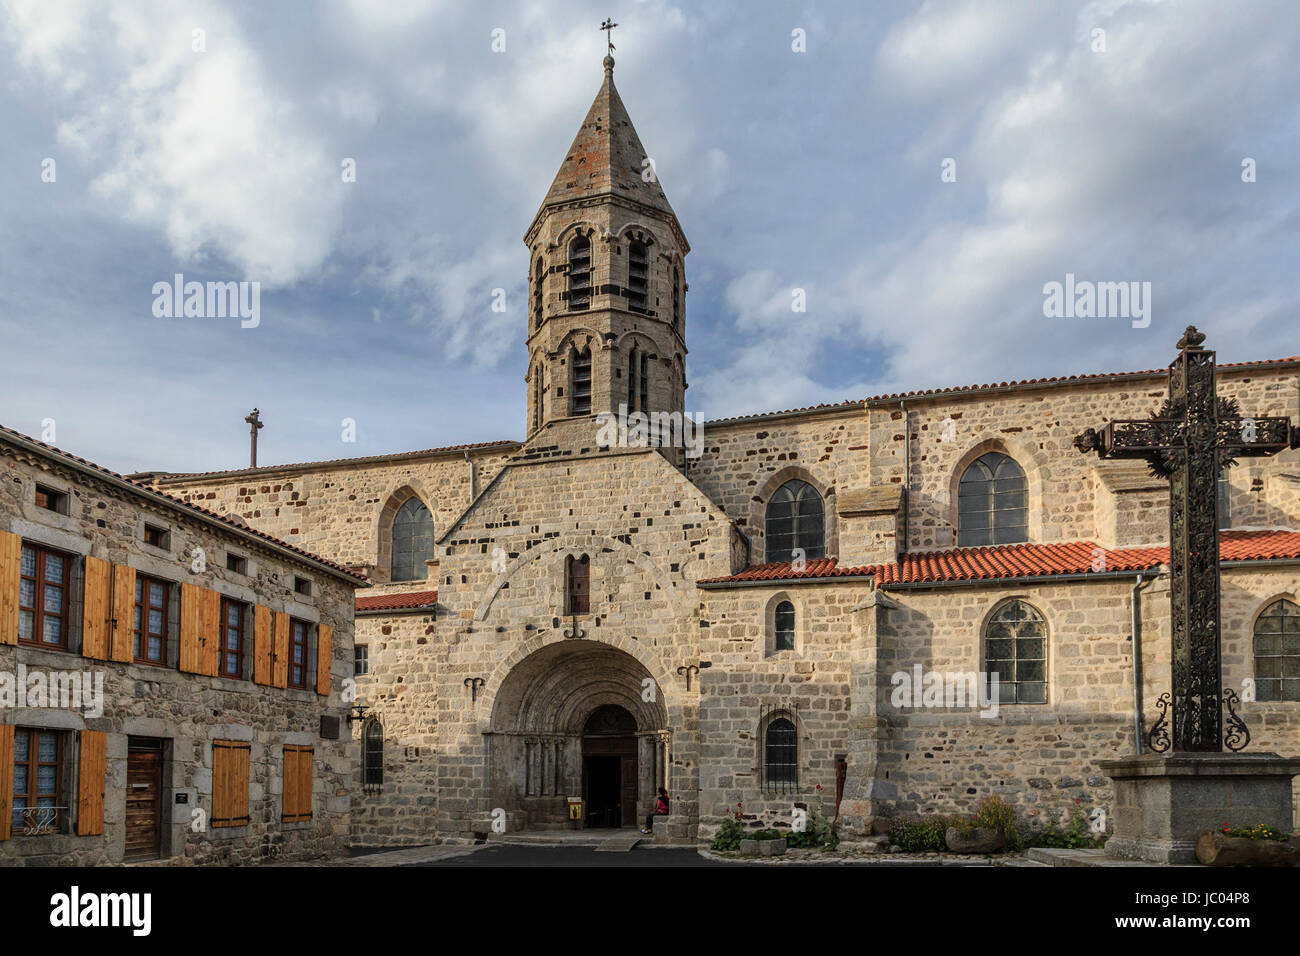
(577, 578)
(236, 563)
(157, 537)
(230, 783)
(51, 500)
(580, 390)
(38, 805)
(299, 636)
(43, 597)
(579, 273)
(151, 625)
(296, 792)
(360, 660)
(234, 630)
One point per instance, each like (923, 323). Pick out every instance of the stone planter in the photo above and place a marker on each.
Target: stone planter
(749, 847)
(1213, 848)
(979, 840)
(762, 847)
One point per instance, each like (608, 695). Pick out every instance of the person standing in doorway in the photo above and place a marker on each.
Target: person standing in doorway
(660, 810)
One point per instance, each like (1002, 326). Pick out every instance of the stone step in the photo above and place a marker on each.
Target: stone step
(621, 842)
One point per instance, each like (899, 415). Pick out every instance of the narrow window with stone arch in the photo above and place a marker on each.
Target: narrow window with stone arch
(992, 502)
(539, 385)
(783, 626)
(412, 536)
(538, 274)
(372, 754)
(580, 381)
(780, 752)
(579, 273)
(1015, 648)
(633, 367)
(1277, 652)
(577, 584)
(677, 300)
(638, 275)
(795, 520)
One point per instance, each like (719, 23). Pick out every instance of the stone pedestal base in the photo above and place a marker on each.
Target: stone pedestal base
(1162, 801)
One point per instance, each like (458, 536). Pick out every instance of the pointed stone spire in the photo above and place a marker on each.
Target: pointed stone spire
(607, 158)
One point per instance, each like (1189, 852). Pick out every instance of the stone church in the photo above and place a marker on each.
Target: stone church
(579, 616)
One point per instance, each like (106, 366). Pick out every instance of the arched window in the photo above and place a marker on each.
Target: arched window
(537, 294)
(372, 755)
(780, 755)
(633, 366)
(577, 585)
(783, 633)
(412, 541)
(1015, 648)
(580, 387)
(539, 383)
(991, 502)
(638, 274)
(795, 520)
(579, 273)
(1277, 652)
(644, 380)
(677, 299)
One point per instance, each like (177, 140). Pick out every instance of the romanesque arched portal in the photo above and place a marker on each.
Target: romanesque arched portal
(578, 718)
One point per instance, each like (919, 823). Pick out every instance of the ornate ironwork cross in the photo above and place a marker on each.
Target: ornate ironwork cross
(1193, 437)
(608, 25)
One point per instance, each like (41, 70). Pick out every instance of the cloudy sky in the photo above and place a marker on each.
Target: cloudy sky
(818, 170)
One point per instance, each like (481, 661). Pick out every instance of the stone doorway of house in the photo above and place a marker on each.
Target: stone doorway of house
(609, 767)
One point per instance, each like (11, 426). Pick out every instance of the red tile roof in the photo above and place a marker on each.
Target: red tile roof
(183, 506)
(1020, 561)
(405, 601)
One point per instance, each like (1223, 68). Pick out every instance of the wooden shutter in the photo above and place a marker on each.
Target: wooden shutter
(123, 649)
(97, 618)
(90, 783)
(11, 562)
(209, 632)
(262, 656)
(230, 783)
(280, 670)
(297, 784)
(6, 778)
(191, 660)
(324, 657)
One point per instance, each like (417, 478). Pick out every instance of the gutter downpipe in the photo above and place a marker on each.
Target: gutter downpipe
(1135, 602)
(907, 479)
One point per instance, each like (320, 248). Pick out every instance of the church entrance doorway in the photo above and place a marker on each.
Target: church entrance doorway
(609, 767)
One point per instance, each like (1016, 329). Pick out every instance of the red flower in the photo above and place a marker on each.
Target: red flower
(819, 786)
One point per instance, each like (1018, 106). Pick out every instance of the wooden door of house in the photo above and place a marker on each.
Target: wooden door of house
(144, 798)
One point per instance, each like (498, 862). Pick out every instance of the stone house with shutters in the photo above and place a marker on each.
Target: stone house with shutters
(586, 615)
(172, 682)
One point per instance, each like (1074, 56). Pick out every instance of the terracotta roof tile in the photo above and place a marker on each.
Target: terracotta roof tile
(1021, 561)
(405, 601)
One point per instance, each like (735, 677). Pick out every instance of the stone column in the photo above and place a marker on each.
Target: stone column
(863, 792)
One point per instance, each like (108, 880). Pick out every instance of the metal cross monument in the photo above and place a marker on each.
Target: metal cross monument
(1194, 436)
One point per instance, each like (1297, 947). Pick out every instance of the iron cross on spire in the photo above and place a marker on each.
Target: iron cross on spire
(1190, 440)
(608, 25)
(254, 423)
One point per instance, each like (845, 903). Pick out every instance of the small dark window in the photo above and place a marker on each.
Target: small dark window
(412, 539)
(51, 500)
(151, 620)
(784, 637)
(677, 300)
(158, 537)
(43, 597)
(299, 631)
(781, 754)
(372, 754)
(234, 622)
(577, 577)
(237, 564)
(538, 276)
(580, 395)
(638, 273)
(632, 367)
(361, 659)
(301, 585)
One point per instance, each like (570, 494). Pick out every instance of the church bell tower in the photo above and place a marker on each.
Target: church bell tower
(607, 280)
